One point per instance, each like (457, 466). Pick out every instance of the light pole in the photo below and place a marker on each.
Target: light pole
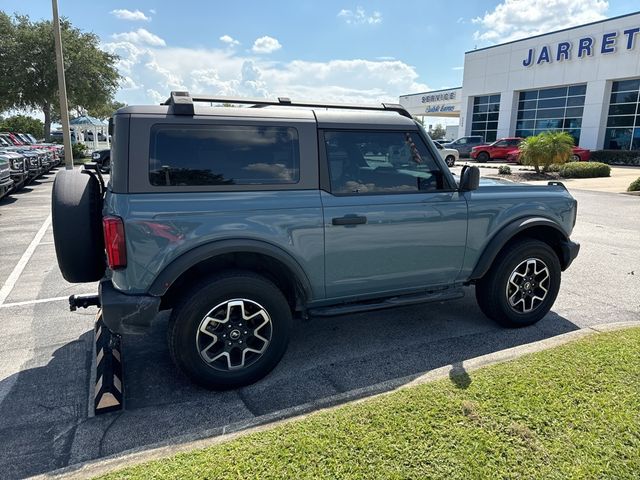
(62, 89)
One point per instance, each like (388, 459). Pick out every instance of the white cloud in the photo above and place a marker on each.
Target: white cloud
(128, 83)
(156, 97)
(359, 16)
(155, 71)
(515, 19)
(140, 36)
(232, 42)
(152, 11)
(266, 44)
(134, 15)
(457, 68)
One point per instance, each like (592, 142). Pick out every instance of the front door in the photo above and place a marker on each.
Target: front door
(393, 222)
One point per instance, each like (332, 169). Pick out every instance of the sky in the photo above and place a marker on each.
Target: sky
(335, 50)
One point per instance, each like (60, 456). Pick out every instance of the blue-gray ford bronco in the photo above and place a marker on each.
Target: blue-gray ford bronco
(240, 219)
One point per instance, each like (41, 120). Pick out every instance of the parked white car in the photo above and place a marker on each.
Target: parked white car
(449, 155)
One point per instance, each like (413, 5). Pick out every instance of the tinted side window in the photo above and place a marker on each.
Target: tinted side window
(380, 162)
(223, 155)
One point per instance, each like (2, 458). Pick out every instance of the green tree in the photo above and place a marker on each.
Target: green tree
(28, 77)
(437, 131)
(23, 124)
(105, 111)
(546, 149)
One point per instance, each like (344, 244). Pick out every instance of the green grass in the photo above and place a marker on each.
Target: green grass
(570, 412)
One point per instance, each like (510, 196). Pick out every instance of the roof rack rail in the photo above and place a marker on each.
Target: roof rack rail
(181, 103)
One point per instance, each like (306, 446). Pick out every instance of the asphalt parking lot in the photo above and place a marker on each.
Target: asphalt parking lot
(46, 351)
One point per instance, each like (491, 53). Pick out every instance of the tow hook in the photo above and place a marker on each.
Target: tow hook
(83, 301)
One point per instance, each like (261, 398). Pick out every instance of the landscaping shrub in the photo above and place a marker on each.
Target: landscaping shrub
(554, 167)
(584, 170)
(504, 170)
(617, 157)
(635, 186)
(545, 149)
(79, 151)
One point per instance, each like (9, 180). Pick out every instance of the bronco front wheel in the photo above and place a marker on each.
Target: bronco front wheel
(230, 330)
(522, 284)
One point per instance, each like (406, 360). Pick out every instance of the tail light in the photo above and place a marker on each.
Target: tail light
(114, 242)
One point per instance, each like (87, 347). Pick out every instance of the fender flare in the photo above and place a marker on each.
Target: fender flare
(204, 252)
(506, 233)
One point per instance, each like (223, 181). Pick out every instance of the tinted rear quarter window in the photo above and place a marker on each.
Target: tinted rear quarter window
(223, 155)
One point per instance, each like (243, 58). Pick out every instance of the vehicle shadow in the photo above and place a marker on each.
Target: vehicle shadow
(44, 422)
(41, 406)
(8, 199)
(361, 354)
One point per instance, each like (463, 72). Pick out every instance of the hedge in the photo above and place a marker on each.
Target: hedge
(635, 186)
(585, 170)
(617, 157)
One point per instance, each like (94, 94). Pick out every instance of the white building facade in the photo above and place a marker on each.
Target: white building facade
(584, 80)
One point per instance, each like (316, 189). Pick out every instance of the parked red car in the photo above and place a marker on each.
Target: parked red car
(579, 155)
(498, 149)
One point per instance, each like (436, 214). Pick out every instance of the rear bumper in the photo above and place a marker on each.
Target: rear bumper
(570, 251)
(126, 313)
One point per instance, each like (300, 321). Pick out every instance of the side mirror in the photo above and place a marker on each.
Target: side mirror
(469, 178)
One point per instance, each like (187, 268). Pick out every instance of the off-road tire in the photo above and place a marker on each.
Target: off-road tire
(491, 290)
(76, 210)
(199, 299)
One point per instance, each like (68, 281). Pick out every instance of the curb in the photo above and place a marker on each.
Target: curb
(229, 432)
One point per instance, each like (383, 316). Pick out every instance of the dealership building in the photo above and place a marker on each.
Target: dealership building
(584, 80)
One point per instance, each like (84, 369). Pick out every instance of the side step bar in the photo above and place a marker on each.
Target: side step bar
(109, 391)
(402, 300)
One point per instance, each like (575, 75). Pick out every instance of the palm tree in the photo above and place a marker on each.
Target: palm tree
(545, 149)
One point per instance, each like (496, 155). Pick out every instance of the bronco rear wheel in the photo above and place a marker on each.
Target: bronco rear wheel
(522, 285)
(230, 330)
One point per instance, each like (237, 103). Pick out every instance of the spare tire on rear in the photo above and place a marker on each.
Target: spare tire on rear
(76, 209)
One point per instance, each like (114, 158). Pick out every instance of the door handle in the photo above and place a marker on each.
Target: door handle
(349, 220)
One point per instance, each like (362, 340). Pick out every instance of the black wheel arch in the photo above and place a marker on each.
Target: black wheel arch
(539, 228)
(248, 254)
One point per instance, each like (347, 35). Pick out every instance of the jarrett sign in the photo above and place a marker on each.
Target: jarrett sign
(585, 47)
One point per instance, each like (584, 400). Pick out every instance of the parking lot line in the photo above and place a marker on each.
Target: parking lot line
(22, 263)
(33, 302)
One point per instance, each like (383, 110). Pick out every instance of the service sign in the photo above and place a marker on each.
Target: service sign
(436, 103)
(584, 47)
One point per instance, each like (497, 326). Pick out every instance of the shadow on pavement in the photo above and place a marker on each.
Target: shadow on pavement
(42, 431)
(40, 408)
(326, 356)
